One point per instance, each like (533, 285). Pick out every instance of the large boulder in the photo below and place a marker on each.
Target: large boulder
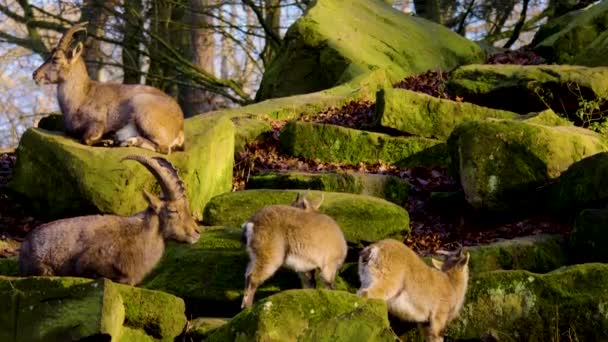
(322, 49)
(391, 188)
(330, 143)
(310, 315)
(61, 177)
(501, 163)
(362, 218)
(427, 116)
(576, 38)
(536, 87)
(71, 309)
(525, 306)
(537, 253)
(583, 185)
(590, 236)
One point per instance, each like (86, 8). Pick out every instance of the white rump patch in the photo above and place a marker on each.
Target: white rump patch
(248, 227)
(127, 132)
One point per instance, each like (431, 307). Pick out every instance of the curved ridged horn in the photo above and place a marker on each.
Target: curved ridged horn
(165, 173)
(66, 39)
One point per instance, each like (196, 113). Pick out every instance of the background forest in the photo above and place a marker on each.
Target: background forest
(208, 53)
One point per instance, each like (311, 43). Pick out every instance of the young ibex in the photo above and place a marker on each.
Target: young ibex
(123, 249)
(296, 236)
(137, 115)
(414, 291)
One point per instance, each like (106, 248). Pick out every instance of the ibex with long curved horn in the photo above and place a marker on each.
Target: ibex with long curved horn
(123, 249)
(137, 115)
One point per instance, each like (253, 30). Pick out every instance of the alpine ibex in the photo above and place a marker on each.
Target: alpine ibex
(122, 249)
(414, 291)
(296, 236)
(137, 115)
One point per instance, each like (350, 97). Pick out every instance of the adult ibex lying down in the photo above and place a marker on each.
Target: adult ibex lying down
(122, 249)
(297, 236)
(137, 115)
(414, 291)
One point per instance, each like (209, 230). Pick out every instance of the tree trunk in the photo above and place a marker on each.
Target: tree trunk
(428, 9)
(95, 13)
(272, 19)
(132, 38)
(202, 54)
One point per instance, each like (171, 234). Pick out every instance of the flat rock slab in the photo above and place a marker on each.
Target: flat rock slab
(310, 315)
(362, 218)
(70, 309)
(427, 116)
(330, 143)
(390, 188)
(338, 40)
(530, 88)
(60, 177)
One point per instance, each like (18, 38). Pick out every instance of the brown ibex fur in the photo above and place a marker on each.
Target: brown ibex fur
(296, 236)
(122, 249)
(137, 115)
(413, 290)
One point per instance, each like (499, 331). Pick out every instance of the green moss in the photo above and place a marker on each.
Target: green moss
(331, 143)
(361, 218)
(9, 266)
(583, 185)
(202, 327)
(546, 117)
(534, 86)
(501, 163)
(159, 314)
(539, 253)
(319, 315)
(519, 305)
(391, 188)
(573, 34)
(61, 177)
(322, 49)
(423, 115)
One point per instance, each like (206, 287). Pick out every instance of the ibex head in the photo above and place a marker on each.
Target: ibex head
(173, 210)
(303, 202)
(452, 260)
(58, 65)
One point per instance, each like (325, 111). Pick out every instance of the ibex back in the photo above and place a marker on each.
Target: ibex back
(137, 115)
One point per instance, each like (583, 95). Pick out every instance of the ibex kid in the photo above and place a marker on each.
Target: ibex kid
(138, 115)
(123, 249)
(414, 291)
(296, 236)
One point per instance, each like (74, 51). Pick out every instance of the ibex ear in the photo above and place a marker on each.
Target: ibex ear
(75, 52)
(437, 263)
(317, 205)
(465, 259)
(154, 202)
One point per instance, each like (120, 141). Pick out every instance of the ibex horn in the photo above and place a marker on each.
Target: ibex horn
(165, 173)
(66, 39)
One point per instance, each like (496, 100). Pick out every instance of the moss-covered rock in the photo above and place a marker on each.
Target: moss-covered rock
(70, 309)
(427, 116)
(9, 266)
(61, 177)
(332, 143)
(538, 253)
(583, 185)
(562, 87)
(391, 188)
(525, 306)
(322, 49)
(590, 236)
(569, 37)
(501, 163)
(546, 117)
(361, 218)
(310, 315)
(200, 328)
